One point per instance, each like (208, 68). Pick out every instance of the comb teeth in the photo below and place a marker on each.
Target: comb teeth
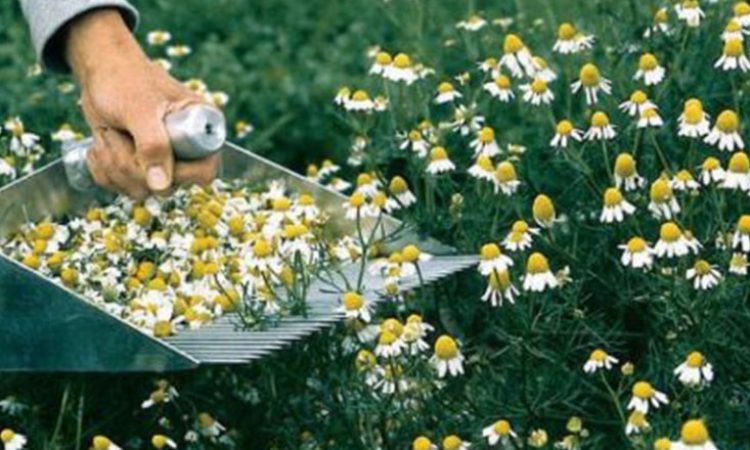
(225, 342)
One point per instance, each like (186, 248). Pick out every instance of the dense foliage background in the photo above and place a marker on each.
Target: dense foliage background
(281, 63)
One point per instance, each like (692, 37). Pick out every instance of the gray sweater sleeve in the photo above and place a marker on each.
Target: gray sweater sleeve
(47, 20)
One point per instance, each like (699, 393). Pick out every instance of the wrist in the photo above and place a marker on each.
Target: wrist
(98, 41)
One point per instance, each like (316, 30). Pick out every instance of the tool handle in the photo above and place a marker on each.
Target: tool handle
(195, 132)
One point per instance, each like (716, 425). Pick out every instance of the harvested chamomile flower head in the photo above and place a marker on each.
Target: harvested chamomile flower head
(170, 263)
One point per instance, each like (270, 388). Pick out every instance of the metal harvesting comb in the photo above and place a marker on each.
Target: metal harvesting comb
(48, 327)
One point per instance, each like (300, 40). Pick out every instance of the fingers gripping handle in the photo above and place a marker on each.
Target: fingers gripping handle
(195, 132)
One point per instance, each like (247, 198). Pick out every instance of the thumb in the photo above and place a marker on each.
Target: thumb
(153, 151)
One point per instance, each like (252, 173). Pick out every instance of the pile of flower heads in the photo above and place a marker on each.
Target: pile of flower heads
(184, 260)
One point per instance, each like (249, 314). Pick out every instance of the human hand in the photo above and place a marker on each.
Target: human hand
(124, 98)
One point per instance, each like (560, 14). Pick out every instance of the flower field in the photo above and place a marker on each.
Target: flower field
(590, 154)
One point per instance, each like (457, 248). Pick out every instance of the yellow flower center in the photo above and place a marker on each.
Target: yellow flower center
(383, 58)
(379, 199)
(490, 251)
(502, 427)
(625, 165)
(743, 224)
(452, 442)
(637, 419)
(734, 48)
(643, 390)
(486, 135)
(505, 172)
(741, 9)
(306, 200)
(670, 232)
(356, 200)
(660, 192)
(352, 301)
(702, 267)
(445, 87)
(543, 209)
(684, 175)
(650, 113)
(694, 432)
(446, 347)
(589, 75)
(101, 443)
(411, 253)
(398, 185)
(360, 96)
(636, 245)
(662, 444)
(392, 326)
(739, 163)
(7, 435)
(262, 248)
(520, 226)
(503, 82)
(566, 32)
(538, 86)
(638, 97)
(732, 26)
(693, 113)
(512, 44)
(612, 197)
(564, 127)
(598, 355)
(499, 280)
(648, 62)
(711, 163)
(599, 120)
(159, 441)
(206, 420)
(402, 61)
(537, 263)
(661, 16)
(281, 204)
(695, 359)
(728, 121)
(438, 153)
(485, 163)
(421, 443)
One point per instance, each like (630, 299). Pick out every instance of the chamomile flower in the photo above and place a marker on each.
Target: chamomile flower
(520, 236)
(416, 142)
(542, 70)
(741, 236)
(660, 23)
(492, 259)
(160, 441)
(672, 241)
(454, 442)
(242, 129)
(693, 122)
(650, 118)
(499, 432)
(616, 207)
(733, 57)
(570, 40)
(447, 359)
(544, 211)
(733, 31)
(401, 70)
(663, 203)
(466, 120)
(500, 88)
(626, 173)
(423, 443)
(599, 360)
(473, 23)
(649, 70)
(738, 264)
(711, 171)
(516, 57)
(726, 132)
(690, 12)
(645, 396)
(704, 275)
(12, 440)
(66, 133)
(499, 288)
(483, 169)
(439, 161)
(538, 274)
(537, 92)
(356, 206)
(415, 331)
(592, 83)
(637, 104)
(565, 131)
(103, 443)
(399, 188)
(381, 63)
(489, 66)
(446, 93)
(737, 175)
(741, 11)
(354, 306)
(637, 423)
(684, 181)
(695, 371)
(694, 436)
(600, 128)
(21, 141)
(209, 426)
(158, 37)
(342, 96)
(484, 143)
(359, 102)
